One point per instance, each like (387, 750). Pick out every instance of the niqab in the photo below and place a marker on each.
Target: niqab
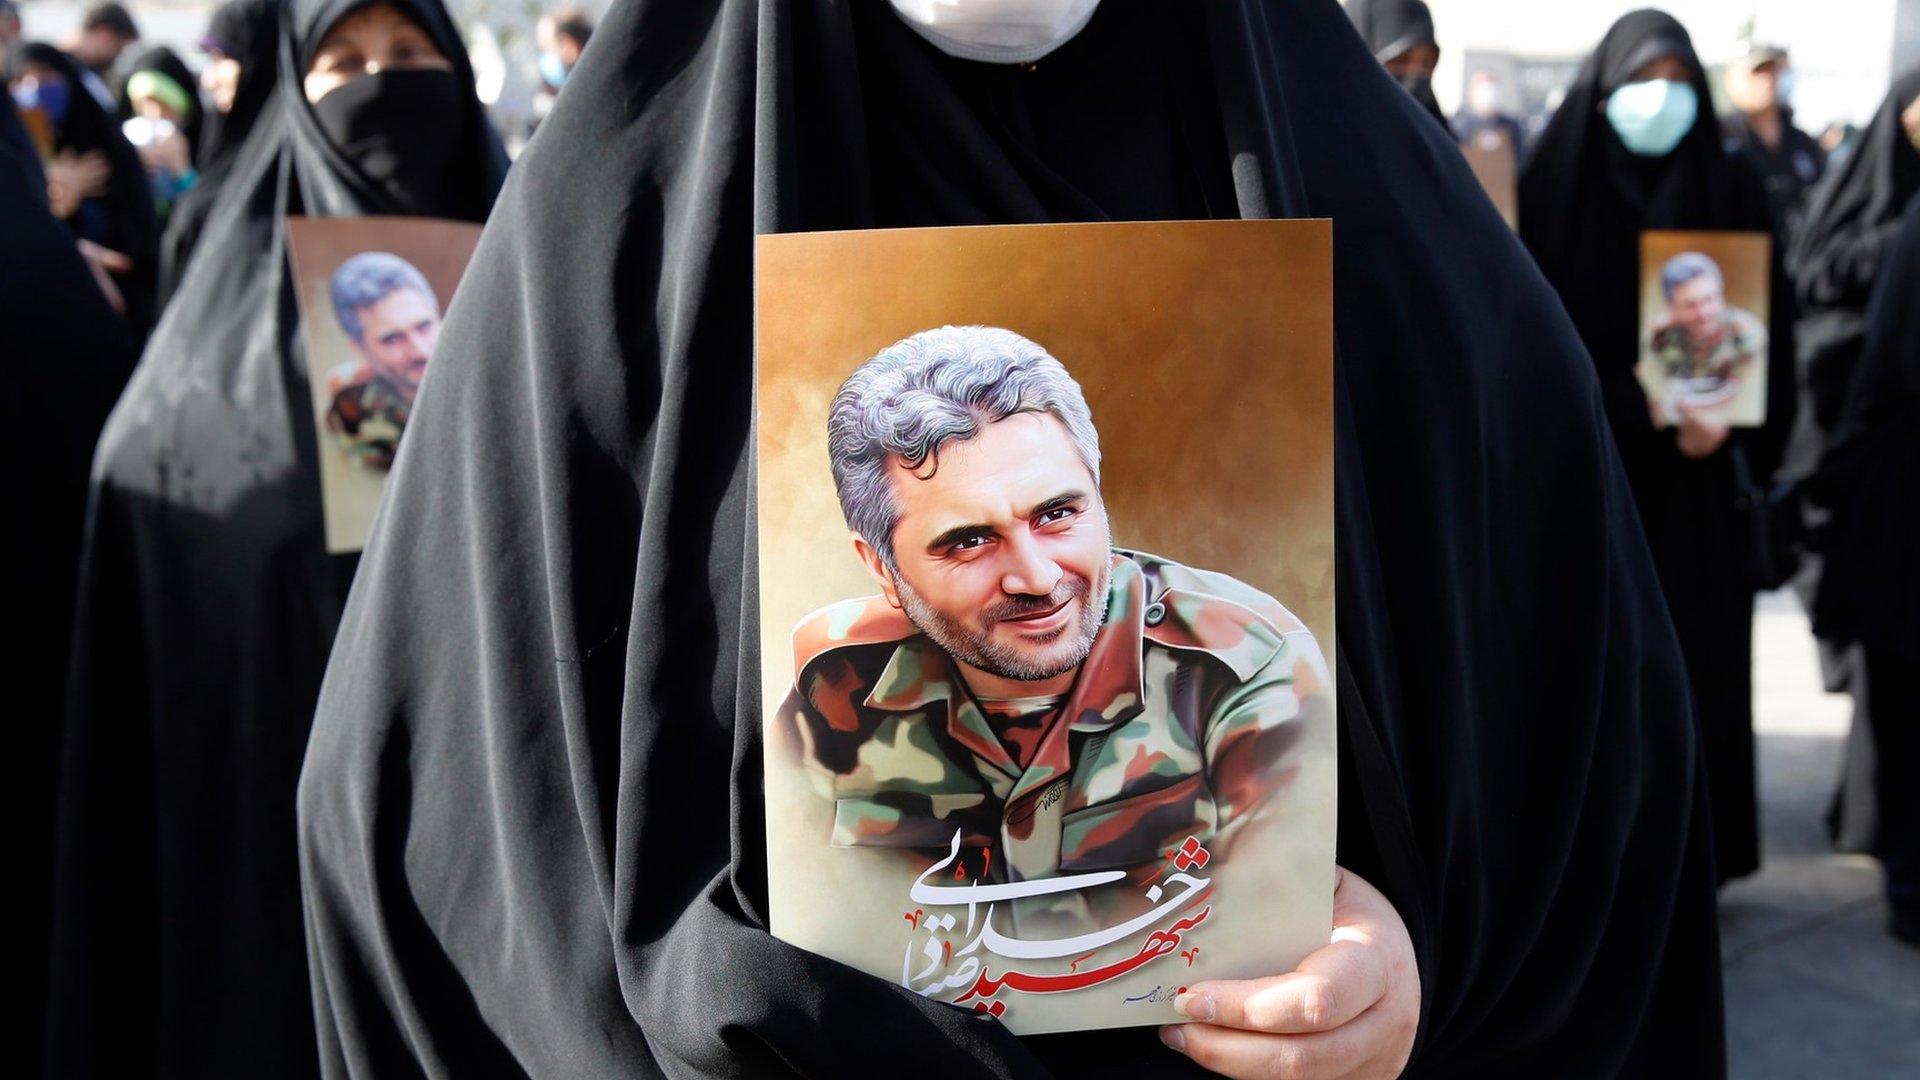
(531, 811)
(208, 603)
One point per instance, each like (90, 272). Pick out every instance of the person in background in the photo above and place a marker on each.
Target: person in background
(1636, 147)
(1869, 592)
(1400, 33)
(209, 598)
(561, 34)
(95, 177)
(1484, 122)
(1760, 85)
(242, 49)
(105, 32)
(1836, 139)
(1852, 214)
(9, 28)
(161, 116)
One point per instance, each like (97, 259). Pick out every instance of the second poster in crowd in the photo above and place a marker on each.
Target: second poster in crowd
(372, 292)
(1046, 580)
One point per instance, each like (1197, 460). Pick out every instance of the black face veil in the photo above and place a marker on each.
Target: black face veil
(207, 607)
(1391, 27)
(531, 810)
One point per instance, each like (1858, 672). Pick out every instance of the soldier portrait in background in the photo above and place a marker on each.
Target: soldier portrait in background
(392, 319)
(1705, 347)
(1063, 705)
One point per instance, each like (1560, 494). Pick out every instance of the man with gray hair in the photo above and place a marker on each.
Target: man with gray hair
(392, 320)
(1704, 347)
(1063, 705)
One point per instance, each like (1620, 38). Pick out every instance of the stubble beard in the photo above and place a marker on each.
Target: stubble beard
(974, 644)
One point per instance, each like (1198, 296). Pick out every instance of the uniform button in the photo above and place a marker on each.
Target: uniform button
(1156, 613)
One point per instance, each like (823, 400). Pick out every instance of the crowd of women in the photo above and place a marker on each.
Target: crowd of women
(485, 798)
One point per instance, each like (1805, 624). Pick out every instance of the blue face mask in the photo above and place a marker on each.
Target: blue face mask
(1652, 117)
(553, 69)
(49, 97)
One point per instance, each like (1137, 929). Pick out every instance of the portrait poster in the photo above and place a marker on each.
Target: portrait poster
(1704, 313)
(1046, 582)
(1496, 166)
(372, 292)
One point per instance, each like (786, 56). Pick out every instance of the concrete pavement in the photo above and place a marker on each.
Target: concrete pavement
(1815, 987)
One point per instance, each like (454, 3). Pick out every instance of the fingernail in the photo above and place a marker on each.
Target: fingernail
(1197, 1006)
(1175, 1038)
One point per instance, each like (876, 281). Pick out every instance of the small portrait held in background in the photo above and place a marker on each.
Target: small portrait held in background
(1704, 313)
(372, 293)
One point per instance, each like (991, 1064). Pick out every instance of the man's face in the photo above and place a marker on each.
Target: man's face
(1757, 90)
(98, 48)
(397, 336)
(1002, 554)
(1700, 307)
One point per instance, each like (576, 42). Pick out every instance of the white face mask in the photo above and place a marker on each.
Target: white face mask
(997, 31)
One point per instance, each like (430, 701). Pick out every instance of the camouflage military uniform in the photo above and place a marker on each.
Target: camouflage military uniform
(1179, 724)
(368, 414)
(1744, 341)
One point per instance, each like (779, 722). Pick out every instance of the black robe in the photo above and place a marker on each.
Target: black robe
(207, 607)
(251, 29)
(121, 218)
(1869, 595)
(531, 814)
(65, 358)
(1584, 201)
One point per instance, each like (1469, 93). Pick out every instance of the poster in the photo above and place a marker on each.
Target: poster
(372, 292)
(1704, 313)
(1046, 580)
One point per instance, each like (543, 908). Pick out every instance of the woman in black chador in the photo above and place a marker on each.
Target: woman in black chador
(532, 825)
(1852, 216)
(245, 32)
(1610, 165)
(1870, 591)
(208, 601)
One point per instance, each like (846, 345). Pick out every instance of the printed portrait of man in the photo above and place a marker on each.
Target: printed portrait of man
(1705, 346)
(392, 320)
(1065, 705)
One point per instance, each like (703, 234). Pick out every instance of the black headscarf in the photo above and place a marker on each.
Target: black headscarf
(166, 62)
(1391, 27)
(65, 358)
(1870, 476)
(531, 814)
(1851, 216)
(122, 218)
(207, 607)
(248, 31)
(1584, 201)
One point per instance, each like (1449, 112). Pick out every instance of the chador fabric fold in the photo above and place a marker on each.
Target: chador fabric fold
(531, 813)
(65, 359)
(1585, 200)
(247, 31)
(207, 606)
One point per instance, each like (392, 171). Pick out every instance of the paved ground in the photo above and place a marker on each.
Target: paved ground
(1815, 987)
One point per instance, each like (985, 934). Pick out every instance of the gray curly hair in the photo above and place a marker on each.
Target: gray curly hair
(918, 394)
(1687, 266)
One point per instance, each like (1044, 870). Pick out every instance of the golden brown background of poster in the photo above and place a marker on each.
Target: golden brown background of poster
(1193, 341)
(1746, 262)
(440, 249)
(1205, 350)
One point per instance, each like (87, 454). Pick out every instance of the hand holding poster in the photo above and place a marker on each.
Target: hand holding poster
(1016, 762)
(372, 292)
(1704, 309)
